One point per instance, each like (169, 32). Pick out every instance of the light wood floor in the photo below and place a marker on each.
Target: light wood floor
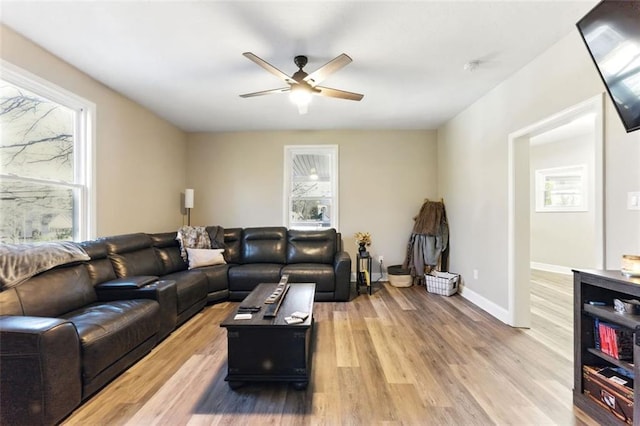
(552, 311)
(400, 356)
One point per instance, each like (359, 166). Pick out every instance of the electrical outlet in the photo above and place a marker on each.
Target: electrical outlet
(380, 259)
(475, 274)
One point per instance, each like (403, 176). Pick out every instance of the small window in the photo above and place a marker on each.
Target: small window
(45, 165)
(311, 187)
(561, 189)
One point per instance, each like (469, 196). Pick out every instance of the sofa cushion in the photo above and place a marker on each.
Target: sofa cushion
(168, 251)
(264, 245)
(99, 266)
(56, 292)
(191, 287)
(217, 278)
(321, 274)
(10, 302)
(311, 246)
(133, 254)
(232, 245)
(109, 330)
(247, 277)
(216, 235)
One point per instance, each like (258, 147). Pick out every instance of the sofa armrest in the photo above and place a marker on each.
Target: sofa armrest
(342, 269)
(41, 374)
(163, 291)
(127, 283)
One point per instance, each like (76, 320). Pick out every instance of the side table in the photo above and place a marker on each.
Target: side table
(363, 271)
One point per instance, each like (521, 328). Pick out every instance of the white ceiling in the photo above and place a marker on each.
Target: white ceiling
(183, 59)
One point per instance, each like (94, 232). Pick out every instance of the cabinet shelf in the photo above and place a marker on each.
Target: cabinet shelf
(609, 314)
(602, 286)
(617, 362)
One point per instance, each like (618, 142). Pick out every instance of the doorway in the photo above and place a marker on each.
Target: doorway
(521, 200)
(562, 217)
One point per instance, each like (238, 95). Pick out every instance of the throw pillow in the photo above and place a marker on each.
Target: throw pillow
(205, 257)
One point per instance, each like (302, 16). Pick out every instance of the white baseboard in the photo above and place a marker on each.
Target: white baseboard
(551, 268)
(487, 305)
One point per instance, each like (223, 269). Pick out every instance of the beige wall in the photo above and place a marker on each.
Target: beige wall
(473, 164)
(140, 158)
(384, 175)
(384, 178)
(565, 239)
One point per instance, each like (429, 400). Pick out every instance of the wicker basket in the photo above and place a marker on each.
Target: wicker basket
(443, 283)
(399, 277)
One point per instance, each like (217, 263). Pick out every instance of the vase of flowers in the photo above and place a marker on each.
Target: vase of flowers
(363, 239)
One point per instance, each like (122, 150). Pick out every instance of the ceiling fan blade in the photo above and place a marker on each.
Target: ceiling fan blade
(342, 94)
(267, 66)
(266, 92)
(327, 69)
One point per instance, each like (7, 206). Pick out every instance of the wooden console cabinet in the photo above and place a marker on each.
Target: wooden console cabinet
(602, 286)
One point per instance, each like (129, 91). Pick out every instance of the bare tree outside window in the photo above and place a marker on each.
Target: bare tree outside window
(311, 185)
(38, 187)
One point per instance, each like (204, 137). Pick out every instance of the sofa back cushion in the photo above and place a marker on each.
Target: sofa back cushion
(168, 251)
(264, 245)
(52, 293)
(133, 254)
(99, 267)
(317, 246)
(10, 302)
(216, 235)
(232, 245)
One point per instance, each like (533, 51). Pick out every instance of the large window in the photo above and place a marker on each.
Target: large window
(311, 186)
(45, 160)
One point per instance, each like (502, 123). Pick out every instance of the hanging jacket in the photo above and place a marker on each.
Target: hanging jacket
(429, 238)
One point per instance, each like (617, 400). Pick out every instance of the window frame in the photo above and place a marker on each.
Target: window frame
(543, 175)
(83, 186)
(289, 152)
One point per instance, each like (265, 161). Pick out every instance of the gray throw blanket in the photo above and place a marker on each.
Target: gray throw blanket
(19, 262)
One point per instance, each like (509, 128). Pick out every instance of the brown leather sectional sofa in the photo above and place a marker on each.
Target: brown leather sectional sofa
(67, 332)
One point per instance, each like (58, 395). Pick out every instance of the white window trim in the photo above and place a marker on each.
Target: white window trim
(289, 152)
(84, 150)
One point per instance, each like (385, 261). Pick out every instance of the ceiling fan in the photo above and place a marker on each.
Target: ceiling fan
(303, 85)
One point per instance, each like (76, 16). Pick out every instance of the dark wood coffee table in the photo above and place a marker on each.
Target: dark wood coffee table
(269, 349)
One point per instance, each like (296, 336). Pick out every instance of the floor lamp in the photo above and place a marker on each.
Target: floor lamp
(188, 204)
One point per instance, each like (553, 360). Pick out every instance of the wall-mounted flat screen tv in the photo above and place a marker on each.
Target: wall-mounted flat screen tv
(611, 31)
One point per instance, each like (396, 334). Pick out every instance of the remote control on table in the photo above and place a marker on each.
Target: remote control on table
(275, 299)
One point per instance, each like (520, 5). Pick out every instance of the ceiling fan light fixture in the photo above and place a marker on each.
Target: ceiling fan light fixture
(300, 95)
(303, 85)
